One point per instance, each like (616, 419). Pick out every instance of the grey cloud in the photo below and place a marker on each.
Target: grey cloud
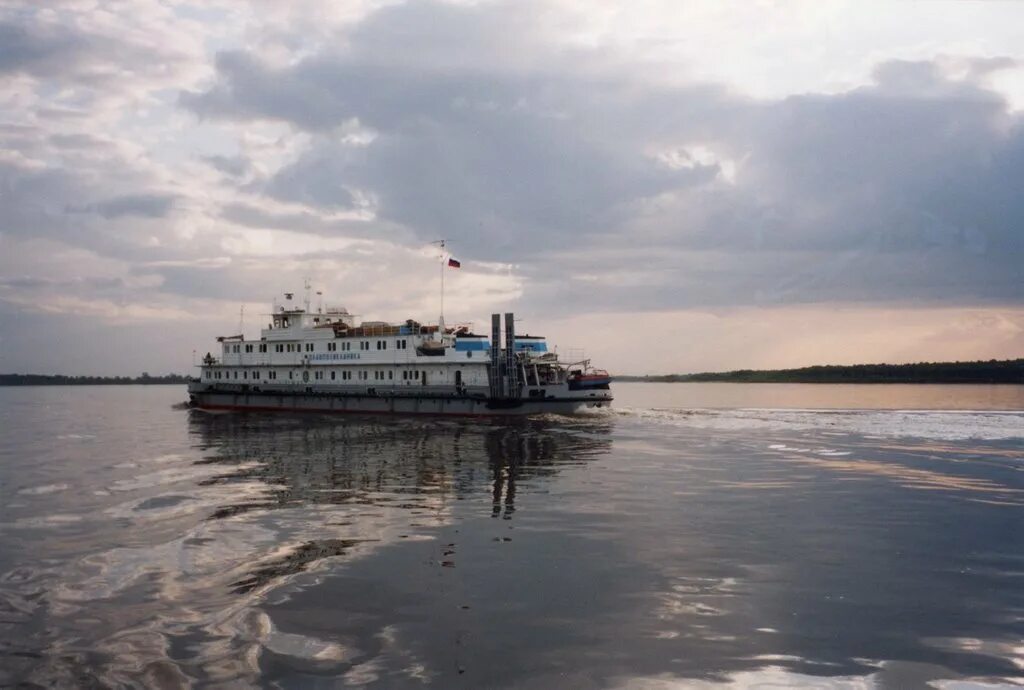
(235, 166)
(38, 50)
(488, 132)
(143, 205)
(901, 189)
(66, 45)
(314, 180)
(254, 216)
(36, 282)
(59, 205)
(80, 142)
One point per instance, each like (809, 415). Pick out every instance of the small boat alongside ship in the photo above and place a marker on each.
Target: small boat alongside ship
(324, 361)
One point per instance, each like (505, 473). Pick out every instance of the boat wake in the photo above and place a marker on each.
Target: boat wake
(944, 425)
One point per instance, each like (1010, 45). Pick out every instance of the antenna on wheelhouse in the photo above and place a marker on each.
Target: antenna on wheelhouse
(306, 284)
(320, 301)
(241, 320)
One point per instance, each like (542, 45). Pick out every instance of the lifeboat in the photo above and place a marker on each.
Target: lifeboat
(592, 379)
(431, 348)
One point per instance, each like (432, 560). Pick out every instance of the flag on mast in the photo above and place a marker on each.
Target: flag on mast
(454, 263)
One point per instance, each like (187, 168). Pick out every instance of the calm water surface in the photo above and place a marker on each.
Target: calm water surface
(698, 535)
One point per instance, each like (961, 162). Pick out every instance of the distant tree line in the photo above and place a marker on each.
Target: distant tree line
(992, 371)
(59, 380)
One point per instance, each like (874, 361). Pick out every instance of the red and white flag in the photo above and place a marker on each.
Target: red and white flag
(454, 263)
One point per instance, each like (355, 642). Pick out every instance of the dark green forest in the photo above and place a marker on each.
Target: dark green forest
(58, 380)
(992, 371)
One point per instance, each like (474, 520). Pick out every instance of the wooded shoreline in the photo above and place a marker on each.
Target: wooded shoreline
(992, 371)
(60, 380)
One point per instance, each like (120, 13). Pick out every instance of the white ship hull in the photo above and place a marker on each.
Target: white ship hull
(384, 402)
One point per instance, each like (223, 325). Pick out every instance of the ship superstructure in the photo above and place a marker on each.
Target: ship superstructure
(323, 360)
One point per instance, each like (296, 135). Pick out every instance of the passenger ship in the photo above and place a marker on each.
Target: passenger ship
(323, 361)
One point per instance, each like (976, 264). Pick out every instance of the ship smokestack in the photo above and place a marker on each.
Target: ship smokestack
(497, 390)
(511, 368)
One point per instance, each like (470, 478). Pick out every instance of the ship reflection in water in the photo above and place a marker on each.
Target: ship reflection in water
(150, 546)
(380, 478)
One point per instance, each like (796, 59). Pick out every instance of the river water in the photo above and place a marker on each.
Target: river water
(696, 535)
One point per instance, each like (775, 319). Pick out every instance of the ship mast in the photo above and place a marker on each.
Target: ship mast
(440, 321)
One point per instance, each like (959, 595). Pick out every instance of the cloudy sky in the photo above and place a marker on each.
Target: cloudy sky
(672, 186)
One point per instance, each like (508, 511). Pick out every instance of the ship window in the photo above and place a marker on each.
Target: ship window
(332, 376)
(207, 374)
(255, 374)
(290, 374)
(391, 375)
(263, 348)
